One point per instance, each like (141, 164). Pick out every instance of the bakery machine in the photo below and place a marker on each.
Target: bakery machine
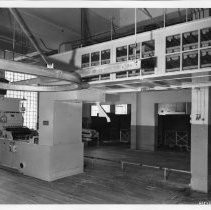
(11, 123)
(13, 134)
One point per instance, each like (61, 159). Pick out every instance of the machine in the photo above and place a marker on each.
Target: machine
(12, 132)
(11, 124)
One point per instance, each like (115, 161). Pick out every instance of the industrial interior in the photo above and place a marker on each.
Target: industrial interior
(105, 105)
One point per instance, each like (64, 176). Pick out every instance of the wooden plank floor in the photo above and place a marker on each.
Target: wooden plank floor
(103, 184)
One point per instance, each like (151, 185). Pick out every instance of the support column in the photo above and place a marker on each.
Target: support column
(133, 129)
(146, 122)
(200, 142)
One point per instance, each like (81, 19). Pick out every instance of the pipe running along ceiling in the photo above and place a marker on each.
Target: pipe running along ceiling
(49, 79)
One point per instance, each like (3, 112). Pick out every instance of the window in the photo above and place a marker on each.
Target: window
(121, 109)
(30, 115)
(95, 112)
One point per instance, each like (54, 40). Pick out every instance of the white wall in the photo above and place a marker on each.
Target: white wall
(146, 102)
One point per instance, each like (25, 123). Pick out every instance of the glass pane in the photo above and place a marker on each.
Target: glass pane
(121, 109)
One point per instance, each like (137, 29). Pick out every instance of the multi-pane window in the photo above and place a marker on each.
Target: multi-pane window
(121, 109)
(95, 111)
(30, 102)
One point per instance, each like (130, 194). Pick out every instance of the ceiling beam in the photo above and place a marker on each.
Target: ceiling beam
(156, 83)
(34, 88)
(37, 81)
(19, 67)
(27, 56)
(128, 86)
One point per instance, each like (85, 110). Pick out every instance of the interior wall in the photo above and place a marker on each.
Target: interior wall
(144, 111)
(146, 125)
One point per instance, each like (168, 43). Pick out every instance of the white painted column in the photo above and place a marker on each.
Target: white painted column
(200, 133)
(133, 127)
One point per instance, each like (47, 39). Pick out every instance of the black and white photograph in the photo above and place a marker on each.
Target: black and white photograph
(105, 102)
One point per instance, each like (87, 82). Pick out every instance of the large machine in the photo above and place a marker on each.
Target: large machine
(11, 127)
(12, 132)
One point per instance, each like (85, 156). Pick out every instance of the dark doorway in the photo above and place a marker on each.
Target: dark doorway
(115, 132)
(174, 132)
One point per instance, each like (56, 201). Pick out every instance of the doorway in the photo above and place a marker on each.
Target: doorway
(174, 132)
(117, 131)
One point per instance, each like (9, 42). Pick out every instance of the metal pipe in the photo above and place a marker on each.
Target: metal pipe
(112, 28)
(165, 174)
(186, 15)
(28, 33)
(135, 23)
(177, 170)
(155, 167)
(165, 170)
(104, 159)
(103, 112)
(164, 17)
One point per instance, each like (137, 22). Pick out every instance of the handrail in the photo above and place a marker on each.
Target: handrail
(122, 162)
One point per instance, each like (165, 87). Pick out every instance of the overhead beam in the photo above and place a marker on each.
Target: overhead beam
(37, 81)
(19, 67)
(184, 86)
(128, 86)
(27, 56)
(54, 88)
(156, 83)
